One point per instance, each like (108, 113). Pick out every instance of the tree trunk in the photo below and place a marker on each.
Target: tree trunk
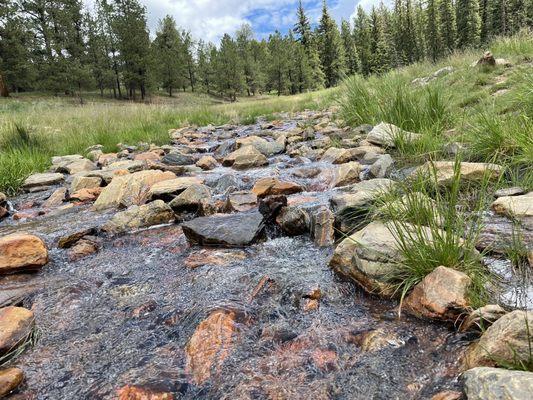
(3, 87)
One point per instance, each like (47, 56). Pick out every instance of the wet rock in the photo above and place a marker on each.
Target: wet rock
(293, 220)
(241, 201)
(306, 173)
(207, 163)
(86, 195)
(371, 340)
(131, 189)
(195, 198)
(16, 323)
(325, 360)
(130, 392)
(70, 240)
(443, 171)
(497, 384)
(513, 191)
(225, 148)
(322, 226)
(386, 134)
(178, 159)
(506, 341)
(3, 212)
(171, 187)
(211, 343)
(337, 156)
(226, 182)
(135, 217)
(361, 194)
(482, 318)
(46, 179)
(75, 167)
(85, 182)
(515, 206)
(219, 258)
(382, 167)
(148, 155)
(448, 395)
(222, 229)
(245, 157)
(442, 294)
(21, 252)
(278, 333)
(56, 199)
(262, 145)
(347, 173)
(273, 187)
(83, 248)
(10, 379)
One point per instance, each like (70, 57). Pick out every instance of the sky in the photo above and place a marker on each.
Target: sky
(210, 19)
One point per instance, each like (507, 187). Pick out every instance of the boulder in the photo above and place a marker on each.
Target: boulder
(386, 134)
(178, 159)
(16, 324)
(46, 179)
(443, 171)
(262, 145)
(174, 186)
(515, 206)
(241, 201)
(337, 156)
(207, 163)
(361, 194)
(442, 294)
(226, 182)
(21, 252)
(245, 157)
(85, 182)
(508, 340)
(135, 217)
(127, 190)
(195, 198)
(487, 60)
(56, 199)
(347, 173)
(272, 187)
(293, 220)
(10, 379)
(76, 167)
(497, 384)
(382, 167)
(211, 343)
(239, 229)
(128, 165)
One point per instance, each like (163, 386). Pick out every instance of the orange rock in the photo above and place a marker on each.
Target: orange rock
(10, 379)
(82, 249)
(210, 344)
(326, 360)
(16, 324)
(24, 215)
(107, 158)
(21, 251)
(447, 395)
(139, 393)
(86, 195)
(149, 155)
(271, 186)
(213, 257)
(310, 305)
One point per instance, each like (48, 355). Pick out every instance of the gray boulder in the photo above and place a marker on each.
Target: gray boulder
(497, 384)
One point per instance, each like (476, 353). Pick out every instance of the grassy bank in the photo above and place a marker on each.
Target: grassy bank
(33, 129)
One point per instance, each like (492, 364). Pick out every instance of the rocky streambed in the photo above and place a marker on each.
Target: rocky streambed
(217, 267)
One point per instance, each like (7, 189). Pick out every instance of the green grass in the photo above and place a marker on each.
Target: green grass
(35, 128)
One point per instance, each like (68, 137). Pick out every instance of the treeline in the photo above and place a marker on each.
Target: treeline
(59, 47)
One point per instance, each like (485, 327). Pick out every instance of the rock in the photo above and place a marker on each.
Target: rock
(70, 240)
(107, 175)
(86, 195)
(195, 199)
(211, 343)
(514, 206)
(148, 155)
(3, 198)
(241, 201)
(173, 186)
(386, 134)
(85, 182)
(482, 318)
(513, 191)
(21, 252)
(435, 75)
(347, 173)
(94, 155)
(293, 220)
(371, 340)
(306, 173)
(76, 167)
(273, 187)
(207, 163)
(443, 171)
(106, 159)
(448, 395)
(506, 341)
(497, 384)
(214, 257)
(128, 165)
(127, 190)
(135, 217)
(487, 60)
(3, 212)
(130, 392)
(361, 194)
(10, 379)
(56, 199)
(16, 323)
(228, 230)
(322, 226)
(442, 294)
(382, 167)
(60, 160)
(178, 159)
(83, 248)
(262, 145)
(225, 148)
(46, 179)
(225, 182)
(245, 157)
(337, 156)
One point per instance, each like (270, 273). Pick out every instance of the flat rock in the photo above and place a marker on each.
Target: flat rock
(128, 165)
(135, 217)
(16, 324)
(442, 294)
(76, 167)
(273, 187)
(22, 252)
(85, 182)
(512, 191)
(173, 186)
(195, 198)
(443, 171)
(56, 198)
(347, 173)
(178, 159)
(45, 179)
(241, 201)
(386, 135)
(337, 156)
(497, 384)
(361, 194)
(239, 229)
(483, 317)
(10, 379)
(514, 206)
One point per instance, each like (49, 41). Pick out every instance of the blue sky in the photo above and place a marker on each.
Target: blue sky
(209, 19)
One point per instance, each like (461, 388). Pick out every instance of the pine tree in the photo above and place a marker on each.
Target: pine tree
(205, 65)
(468, 23)
(330, 48)
(229, 71)
(278, 63)
(166, 47)
(433, 34)
(362, 40)
(380, 44)
(303, 27)
(447, 24)
(352, 59)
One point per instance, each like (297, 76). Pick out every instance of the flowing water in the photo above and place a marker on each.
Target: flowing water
(123, 316)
